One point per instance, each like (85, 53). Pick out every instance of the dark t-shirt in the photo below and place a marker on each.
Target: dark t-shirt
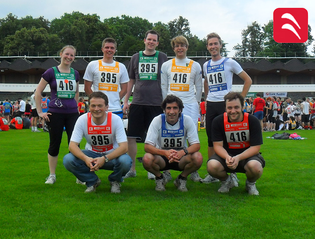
(57, 105)
(146, 92)
(218, 133)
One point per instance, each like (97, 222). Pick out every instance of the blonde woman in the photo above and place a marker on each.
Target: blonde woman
(63, 111)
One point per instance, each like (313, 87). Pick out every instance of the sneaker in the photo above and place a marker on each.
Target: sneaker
(167, 177)
(209, 179)
(51, 179)
(130, 174)
(93, 187)
(160, 184)
(226, 185)
(115, 187)
(36, 130)
(194, 176)
(78, 181)
(151, 176)
(251, 188)
(181, 184)
(234, 179)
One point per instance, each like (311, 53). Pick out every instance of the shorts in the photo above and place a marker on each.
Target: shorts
(119, 113)
(6, 114)
(173, 166)
(241, 165)
(34, 113)
(259, 115)
(192, 110)
(139, 120)
(305, 118)
(213, 110)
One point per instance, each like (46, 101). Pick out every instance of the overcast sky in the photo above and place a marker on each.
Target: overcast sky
(227, 18)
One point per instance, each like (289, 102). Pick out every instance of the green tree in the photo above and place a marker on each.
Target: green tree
(252, 42)
(274, 49)
(164, 40)
(179, 26)
(35, 41)
(125, 26)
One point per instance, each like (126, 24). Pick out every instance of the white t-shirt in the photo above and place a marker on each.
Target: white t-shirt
(195, 81)
(93, 74)
(22, 106)
(32, 102)
(80, 130)
(154, 132)
(230, 67)
(305, 108)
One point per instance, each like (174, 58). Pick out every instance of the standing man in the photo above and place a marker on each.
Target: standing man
(108, 76)
(34, 115)
(106, 146)
(166, 146)
(22, 106)
(306, 113)
(182, 77)
(7, 109)
(145, 80)
(258, 108)
(237, 137)
(218, 74)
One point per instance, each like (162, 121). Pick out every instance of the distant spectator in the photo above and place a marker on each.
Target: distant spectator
(4, 124)
(16, 123)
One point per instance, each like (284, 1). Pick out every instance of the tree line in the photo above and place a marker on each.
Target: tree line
(41, 37)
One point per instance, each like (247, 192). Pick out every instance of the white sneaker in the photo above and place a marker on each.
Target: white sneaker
(115, 187)
(194, 176)
(181, 184)
(151, 176)
(226, 185)
(209, 179)
(51, 179)
(93, 187)
(251, 188)
(160, 184)
(235, 180)
(78, 181)
(167, 177)
(130, 174)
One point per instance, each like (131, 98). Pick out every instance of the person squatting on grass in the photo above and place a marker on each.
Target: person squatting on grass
(106, 146)
(237, 138)
(63, 111)
(166, 145)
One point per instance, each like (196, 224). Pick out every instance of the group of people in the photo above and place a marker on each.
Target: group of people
(275, 114)
(22, 114)
(163, 114)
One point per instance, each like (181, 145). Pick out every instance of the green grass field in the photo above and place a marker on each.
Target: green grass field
(31, 209)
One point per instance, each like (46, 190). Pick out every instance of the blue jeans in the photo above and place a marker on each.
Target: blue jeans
(120, 166)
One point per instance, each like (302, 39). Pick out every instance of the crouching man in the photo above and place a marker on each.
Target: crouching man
(166, 146)
(236, 139)
(106, 146)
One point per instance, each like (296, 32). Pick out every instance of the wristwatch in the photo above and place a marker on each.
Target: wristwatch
(106, 159)
(185, 150)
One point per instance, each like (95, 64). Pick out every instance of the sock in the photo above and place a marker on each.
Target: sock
(181, 177)
(161, 177)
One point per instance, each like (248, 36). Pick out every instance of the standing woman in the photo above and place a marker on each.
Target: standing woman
(63, 111)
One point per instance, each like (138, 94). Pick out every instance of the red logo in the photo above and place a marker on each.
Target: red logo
(290, 25)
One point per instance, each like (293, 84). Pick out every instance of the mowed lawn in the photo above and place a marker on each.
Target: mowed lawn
(31, 209)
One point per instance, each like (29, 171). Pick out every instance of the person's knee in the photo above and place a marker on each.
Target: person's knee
(67, 160)
(214, 166)
(254, 167)
(197, 159)
(125, 161)
(147, 160)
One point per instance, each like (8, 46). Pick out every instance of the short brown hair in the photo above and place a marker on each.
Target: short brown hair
(110, 40)
(179, 40)
(212, 35)
(234, 96)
